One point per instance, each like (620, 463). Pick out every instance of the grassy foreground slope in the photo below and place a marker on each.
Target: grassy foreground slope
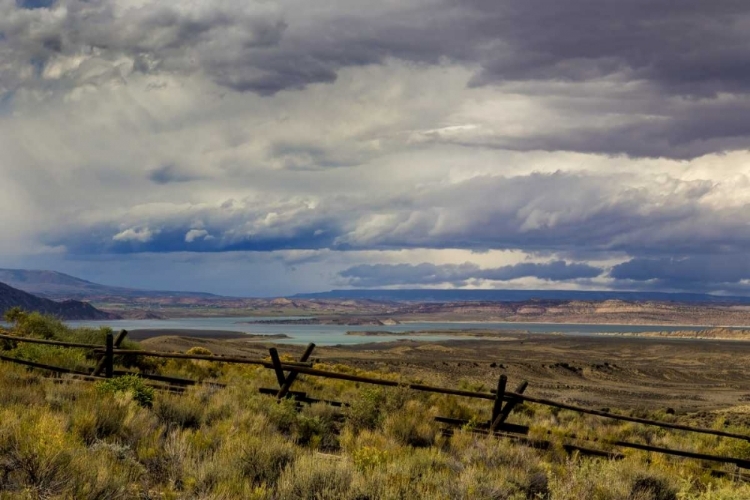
(121, 439)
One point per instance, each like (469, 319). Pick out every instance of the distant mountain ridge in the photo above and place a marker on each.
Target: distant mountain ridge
(440, 295)
(53, 284)
(69, 309)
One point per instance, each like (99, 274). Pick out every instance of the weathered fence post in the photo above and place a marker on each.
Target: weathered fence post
(496, 407)
(292, 376)
(277, 366)
(101, 363)
(109, 357)
(502, 416)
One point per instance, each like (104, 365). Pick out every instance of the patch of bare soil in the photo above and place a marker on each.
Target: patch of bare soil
(597, 372)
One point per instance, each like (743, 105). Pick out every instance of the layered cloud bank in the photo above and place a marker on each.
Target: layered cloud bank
(423, 143)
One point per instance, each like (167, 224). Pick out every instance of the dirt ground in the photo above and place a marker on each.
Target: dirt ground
(597, 372)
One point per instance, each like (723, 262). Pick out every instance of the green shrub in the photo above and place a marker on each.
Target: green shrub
(35, 452)
(412, 426)
(317, 428)
(104, 473)
(35, 325)
(64, 357)
(199, 351)
(364, 412)
(283, 415)
(369, 457)
(132, 384)
(314, 478)
(17, 386)
(14, 314)
(262, 460)
(98, 418)
(651, 488)
(175, 410)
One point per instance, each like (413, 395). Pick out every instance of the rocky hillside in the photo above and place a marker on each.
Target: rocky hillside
(69, 309)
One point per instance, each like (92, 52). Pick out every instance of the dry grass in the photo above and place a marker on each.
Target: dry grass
(77, 441)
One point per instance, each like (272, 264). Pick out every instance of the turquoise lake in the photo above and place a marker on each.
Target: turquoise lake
(336, 334)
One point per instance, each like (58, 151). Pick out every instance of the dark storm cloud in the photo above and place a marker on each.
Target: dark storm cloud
(685, 130)
(693, 48)
(167, 174)
(35, 4)
(689, 48)
(375, 275)
(686, 63)
(685, 272)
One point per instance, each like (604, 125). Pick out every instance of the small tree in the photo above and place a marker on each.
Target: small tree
(15, 314)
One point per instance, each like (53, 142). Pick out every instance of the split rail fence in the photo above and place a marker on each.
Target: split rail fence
(503, 400)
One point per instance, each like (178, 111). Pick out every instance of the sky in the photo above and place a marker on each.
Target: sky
(261, 148)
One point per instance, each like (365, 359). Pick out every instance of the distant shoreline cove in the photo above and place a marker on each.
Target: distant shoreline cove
(478, 333)
(330, 321)
(147, 333)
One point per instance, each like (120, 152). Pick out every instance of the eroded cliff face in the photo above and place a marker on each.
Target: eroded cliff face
(576, 311)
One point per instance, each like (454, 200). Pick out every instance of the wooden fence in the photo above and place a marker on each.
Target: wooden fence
(503, 400)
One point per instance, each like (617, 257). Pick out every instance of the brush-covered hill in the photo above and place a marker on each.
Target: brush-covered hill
(56, 285)
(69, 309)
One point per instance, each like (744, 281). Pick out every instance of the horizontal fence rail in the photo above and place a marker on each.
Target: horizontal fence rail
(204, 357)
(306, 368)
(504, 402)
(51, 342)
(41, 366)
(614, 416)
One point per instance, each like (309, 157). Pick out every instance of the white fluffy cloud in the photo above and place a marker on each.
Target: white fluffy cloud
(141, 235)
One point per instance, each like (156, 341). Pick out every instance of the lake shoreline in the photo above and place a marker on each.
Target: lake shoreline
(149, 333)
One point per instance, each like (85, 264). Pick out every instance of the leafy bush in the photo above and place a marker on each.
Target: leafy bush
(262, 461)
(73, 359)
(35, 324)
(313, 478)
(364, 412)
(132, 384)
(99, 419)
(283, 416)
(412, 426)
(35, 452)
(369, 457)
(652, 488)
(316, 427)
(18, 387)
(175, 410)
(199, 351)
(195, 368)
